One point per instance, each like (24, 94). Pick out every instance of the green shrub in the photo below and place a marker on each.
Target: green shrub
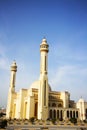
(32, 119)
(2, 114)
(3, 123)
(60, 119)
(53, 121)
(73, 120)
(85, 121)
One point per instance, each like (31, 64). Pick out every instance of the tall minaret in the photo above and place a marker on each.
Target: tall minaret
(11, 90)
(44, 88)
(13, 76)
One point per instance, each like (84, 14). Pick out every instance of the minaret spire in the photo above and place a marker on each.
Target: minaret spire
(11, 90)
(43, 90)
(13, 76)
(44, 49)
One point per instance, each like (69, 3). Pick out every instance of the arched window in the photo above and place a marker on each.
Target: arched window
(50, 115)
(49, 104)
(60, 105)
(35, 111)
(61, 115)
(54, 114)
(77, 114)
(68, 114)
(74, 114)
(57, 114)
(53, 104)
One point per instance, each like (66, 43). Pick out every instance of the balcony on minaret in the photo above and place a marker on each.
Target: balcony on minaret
(14, 66)
(44, 46)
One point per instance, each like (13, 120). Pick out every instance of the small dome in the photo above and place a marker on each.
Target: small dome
(81, 100)
(44, 41)
(35, 84)
(44, 46)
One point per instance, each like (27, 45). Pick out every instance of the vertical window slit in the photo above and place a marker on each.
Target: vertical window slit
(45, 93)
(45, 63)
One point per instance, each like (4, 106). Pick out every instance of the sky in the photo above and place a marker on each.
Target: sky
(23, 24)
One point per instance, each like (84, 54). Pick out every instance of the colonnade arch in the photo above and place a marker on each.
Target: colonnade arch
(55, 114)
(72, 114)
(59, 113)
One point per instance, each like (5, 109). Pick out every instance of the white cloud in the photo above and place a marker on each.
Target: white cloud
(64, 51)
(70, 78)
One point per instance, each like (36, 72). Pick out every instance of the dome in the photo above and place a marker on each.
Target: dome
(81, 100)
(36, 85)
(44, 41)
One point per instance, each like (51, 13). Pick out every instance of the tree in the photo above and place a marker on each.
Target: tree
(3, 123)
(73, 120)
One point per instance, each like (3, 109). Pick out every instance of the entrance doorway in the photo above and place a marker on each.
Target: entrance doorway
(36, 110)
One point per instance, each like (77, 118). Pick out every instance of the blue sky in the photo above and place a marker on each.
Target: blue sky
(23, 24)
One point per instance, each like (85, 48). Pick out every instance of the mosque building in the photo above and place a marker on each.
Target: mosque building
(40, 101)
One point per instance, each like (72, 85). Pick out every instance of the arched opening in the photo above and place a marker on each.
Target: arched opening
(50, 114)
(74, 114)
(60, 105)
(61, 115)
(68, 114)
(53, 104)
(57, 114)
(49, 104)
(54, 113)
(36, 109)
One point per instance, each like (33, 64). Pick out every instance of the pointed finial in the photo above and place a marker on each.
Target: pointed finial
(44, 41)
(14, 63)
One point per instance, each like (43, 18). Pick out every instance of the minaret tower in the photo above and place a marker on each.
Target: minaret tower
(11, 90)
(44, 49)
(13, 76)
(44, 88)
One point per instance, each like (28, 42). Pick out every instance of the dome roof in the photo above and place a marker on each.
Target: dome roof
(81, 100)
(36, 85)
(44, 41)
